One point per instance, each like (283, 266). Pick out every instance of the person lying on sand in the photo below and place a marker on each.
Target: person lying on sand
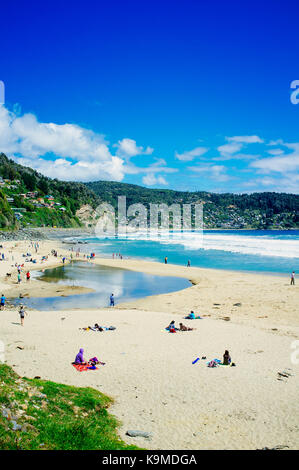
(185, 328)
(96, 327)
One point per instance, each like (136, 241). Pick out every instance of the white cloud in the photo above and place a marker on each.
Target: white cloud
(151, 179)
(128, 148)
(227, 150)
(280, 164)
(214, 172)
(245, 139)
(189, 155)
(76, 153)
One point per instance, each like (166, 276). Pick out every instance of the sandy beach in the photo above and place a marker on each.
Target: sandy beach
(149, 372)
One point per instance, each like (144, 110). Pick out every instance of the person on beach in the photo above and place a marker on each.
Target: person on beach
(171, 327)
(191, 316)
(79, 358)
(188, 264)
(2, 302)
(185, 328)
(112, 300)
(19, 278)
(165, 260)
(22, 314)
(226, 358)
(28, 276)
(293, 278)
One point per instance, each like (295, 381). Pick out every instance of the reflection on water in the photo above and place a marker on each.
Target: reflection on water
(125, 285)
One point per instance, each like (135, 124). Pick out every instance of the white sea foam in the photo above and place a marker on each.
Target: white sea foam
(264, 245)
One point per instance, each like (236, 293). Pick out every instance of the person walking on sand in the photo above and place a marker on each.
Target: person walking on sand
(22, 314)
(2, 302)
(293, 278)
(19, 278)
(112, 300)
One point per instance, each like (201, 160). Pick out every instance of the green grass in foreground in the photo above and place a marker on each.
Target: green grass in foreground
(54, 416)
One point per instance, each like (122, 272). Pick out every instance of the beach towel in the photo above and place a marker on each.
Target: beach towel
(196, 318)
(83, 367)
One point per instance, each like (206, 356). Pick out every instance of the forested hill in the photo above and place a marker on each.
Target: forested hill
(256, 210)
(28, 198)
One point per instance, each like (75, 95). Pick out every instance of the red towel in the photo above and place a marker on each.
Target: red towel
(82, 367)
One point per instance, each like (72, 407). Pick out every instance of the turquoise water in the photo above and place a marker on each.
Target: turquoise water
(265, 251)
(125, 285)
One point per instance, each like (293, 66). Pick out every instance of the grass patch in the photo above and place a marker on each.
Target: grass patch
(53, 416)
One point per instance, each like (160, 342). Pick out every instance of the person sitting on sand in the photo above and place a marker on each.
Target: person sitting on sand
(226, 358)
(79, 358)
(191, 316)
(185, 328)
(171, 327)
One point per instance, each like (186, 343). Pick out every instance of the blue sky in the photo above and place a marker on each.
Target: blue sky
(182, 95)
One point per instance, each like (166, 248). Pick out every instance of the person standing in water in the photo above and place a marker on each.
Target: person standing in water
(188, 264)
(111, 300)
(293, 278)
(165, 260)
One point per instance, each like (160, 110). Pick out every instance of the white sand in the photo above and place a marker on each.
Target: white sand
(149, 372)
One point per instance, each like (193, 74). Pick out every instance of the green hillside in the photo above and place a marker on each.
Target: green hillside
(230, 211)
(30, 199)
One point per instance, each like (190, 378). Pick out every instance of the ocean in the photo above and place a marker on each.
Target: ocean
(267, 251)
